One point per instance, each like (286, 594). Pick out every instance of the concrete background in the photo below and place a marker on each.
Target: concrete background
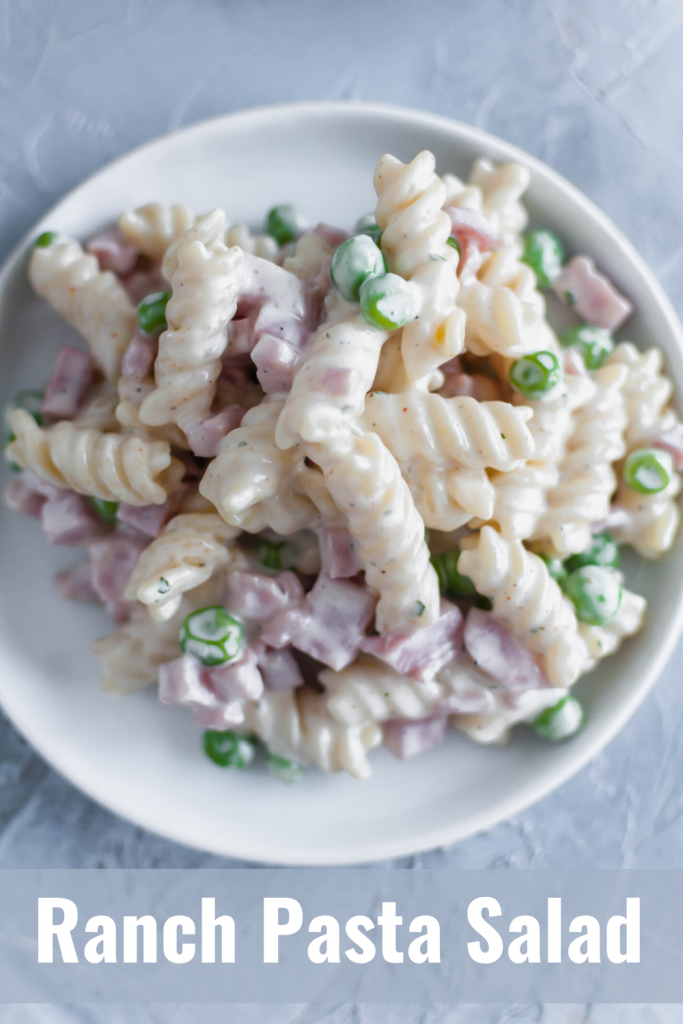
(593, 88)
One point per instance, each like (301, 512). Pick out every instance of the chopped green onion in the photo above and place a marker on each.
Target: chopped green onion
(451, 582)
(106, 509)
(556, 569)
(648, 470)
(603, 550)
(285, 223)
(561, 721)
(534, 375)
(211, 635)
(594, 344)
(45, 240)
(152, 311)
(595, 593)
(543, 252)
(229, 749)
(284, 770)
(367, 225)
(268, 554)
(387, 302)
(354, 262)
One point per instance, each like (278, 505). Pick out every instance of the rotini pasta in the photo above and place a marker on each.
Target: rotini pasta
(368, 691)
(153, 227)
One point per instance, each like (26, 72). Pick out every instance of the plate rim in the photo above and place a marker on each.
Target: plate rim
(535, 789)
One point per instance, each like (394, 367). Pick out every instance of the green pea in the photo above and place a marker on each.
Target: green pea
(387, 302)
(451, 582)
(353, 263)
(152, 311)
(648, 470)
(211, 635)
(543, 252)
(285, 223)
(45, 240)
(595, 593)
(282, 769)
(367, 225)
(454, 244)
(561, 721)
(594, 344)
(485, 603)
(533, 376)
(603, 550)
(555, 566)
(229, 749)
(107, 509)
(269, 554)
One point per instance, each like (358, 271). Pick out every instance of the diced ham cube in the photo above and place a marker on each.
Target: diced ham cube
(112, 560)
(69, 383)
(338, 552)
(331, 235)
(672, 442)
(260, 598)
(473, 226)
(184, 681)
(591, 294)
(69, 518)
(500, 654)
(120, 610)
(21, 497)
(238, 680)
(288, 624)
(279, 669)
(76, 584)
(476, 385)
(204, 438)
(142, 283)
(275, 361)
(420, 652)
(407, 739)
(113, 252)
(139, 357)
(322, 285)
(151, 519)
(340, 614)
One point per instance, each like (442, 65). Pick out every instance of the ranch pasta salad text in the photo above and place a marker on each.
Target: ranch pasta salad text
(343, 490)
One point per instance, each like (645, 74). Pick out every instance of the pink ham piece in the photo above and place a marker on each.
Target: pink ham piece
(20, 496)
(204, 438)
(591, 295)
(238, 680)
(275, 363)
(120, 610)
(139, 357)
(260, 598)
(500, 654)
(408, 739)
(420, 653)
(113, 252)
(184, 681)
(112, 560)
(477, 386)
(241, 335)
(672, 442)
(279, 669)
(69, 383)
(280, 299)
(471, 225)
(151, 519)
(76, 584)
(69, 518)
(340, 613)
(285, 626)
(338, 552)
(330, 234)
(142, 283)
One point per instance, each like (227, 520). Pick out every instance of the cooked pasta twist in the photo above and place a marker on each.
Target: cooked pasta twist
(257, 245)
(206, 285)
(93, 302)
(448, 498)
(586, 478)
(107, 466)
(414, 239)
(190, 549)
(153, 227)
(368, 691)
(527, 599)
(366, 484)
(501, 188)
(130, 657)
(297, 725)
(647, 393)
(310, 256)
(650, 520)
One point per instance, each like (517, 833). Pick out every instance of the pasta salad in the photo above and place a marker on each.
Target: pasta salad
(340, 490)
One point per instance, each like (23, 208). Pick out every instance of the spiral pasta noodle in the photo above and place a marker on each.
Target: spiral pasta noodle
(153, 227)
(111, 467)
(367, 691)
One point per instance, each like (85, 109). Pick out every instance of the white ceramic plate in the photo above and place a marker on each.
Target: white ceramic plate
(143, 760)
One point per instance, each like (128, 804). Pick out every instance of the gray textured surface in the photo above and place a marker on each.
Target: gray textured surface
(594, 89)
